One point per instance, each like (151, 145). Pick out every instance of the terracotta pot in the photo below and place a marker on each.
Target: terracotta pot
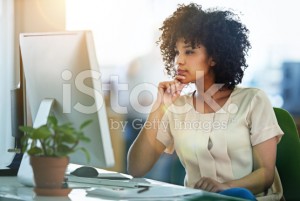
(49, 172)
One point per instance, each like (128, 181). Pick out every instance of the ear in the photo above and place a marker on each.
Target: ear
(212, 62)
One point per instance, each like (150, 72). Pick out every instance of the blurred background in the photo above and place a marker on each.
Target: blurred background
(125, 32)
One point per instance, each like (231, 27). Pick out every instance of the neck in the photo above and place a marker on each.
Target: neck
(206, 84)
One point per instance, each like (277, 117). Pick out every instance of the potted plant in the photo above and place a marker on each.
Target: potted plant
(49, 147)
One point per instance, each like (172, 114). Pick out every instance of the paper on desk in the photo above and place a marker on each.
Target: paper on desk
(104, 182)
(152, 192)
(113, 176)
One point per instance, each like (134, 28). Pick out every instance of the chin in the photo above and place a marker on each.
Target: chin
(185, 81)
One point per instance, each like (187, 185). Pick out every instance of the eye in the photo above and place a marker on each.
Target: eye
(188, 52)
(176, 52)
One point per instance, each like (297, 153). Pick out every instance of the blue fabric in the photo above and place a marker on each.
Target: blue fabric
(239, 193)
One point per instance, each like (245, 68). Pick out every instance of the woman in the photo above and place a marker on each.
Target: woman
(224, 135)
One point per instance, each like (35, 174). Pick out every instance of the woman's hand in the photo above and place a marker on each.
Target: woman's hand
(211, 185)
(169, 91)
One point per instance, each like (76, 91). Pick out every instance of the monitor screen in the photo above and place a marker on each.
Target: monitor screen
(63, 67)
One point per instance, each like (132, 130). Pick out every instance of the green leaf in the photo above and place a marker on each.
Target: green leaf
(69, 139)
(65, 130)
(24, 142)
(41, 133)
(50, 151)
(26, 129)
(85, 124)
(52, 120)
(35, 151)
(86, 153)
(64, 150)
(84, 138)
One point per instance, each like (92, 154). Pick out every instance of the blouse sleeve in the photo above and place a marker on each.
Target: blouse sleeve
(164, 134)
(262, 120)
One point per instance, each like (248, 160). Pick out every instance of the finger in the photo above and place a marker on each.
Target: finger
(197, 185)
(200, 184)
(164, 87)
(176, 83)
(173, 88)
(214, 189)
(178, 87)
(209, 187)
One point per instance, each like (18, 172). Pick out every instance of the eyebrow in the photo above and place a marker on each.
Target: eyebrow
(186, 46)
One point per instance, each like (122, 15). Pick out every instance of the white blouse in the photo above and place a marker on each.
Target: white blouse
(219, 145)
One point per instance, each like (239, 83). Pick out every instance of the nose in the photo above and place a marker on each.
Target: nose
(180, 59)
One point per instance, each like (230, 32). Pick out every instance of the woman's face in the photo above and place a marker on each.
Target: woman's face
(192, 63)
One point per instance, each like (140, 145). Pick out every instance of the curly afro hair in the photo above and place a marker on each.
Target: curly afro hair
(221, 32)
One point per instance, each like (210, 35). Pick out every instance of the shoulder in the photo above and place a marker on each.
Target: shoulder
(247, 90)
(249, 93)
(248, 97)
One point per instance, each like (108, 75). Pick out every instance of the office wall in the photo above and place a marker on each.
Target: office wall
(37, 16)
(40, 15)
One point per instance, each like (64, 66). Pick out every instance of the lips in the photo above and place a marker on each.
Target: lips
(181, 72)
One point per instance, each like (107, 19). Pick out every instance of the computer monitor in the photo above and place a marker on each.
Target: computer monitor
(62, 66)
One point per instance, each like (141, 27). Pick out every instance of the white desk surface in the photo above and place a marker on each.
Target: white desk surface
(12, 190)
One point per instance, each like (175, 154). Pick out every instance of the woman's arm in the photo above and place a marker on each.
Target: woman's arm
(146, 149)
